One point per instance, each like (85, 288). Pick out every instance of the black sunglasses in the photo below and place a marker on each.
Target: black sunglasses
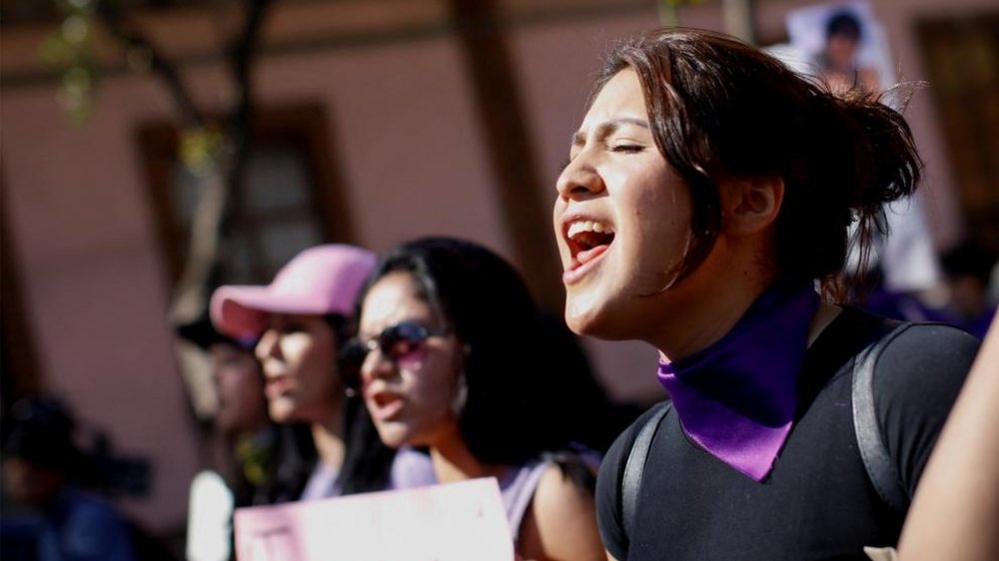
(394, 342)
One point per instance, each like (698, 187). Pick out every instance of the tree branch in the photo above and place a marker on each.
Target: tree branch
(222, 184)
(113, 19)
(242, 54)
(222, 195)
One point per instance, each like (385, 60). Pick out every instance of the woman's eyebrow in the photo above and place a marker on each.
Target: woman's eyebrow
(607, 127)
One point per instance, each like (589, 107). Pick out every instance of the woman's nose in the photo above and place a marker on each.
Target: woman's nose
(267, 346)
(579, 179)
(376, 365)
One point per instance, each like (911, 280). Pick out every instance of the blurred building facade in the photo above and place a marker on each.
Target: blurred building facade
(376, 123)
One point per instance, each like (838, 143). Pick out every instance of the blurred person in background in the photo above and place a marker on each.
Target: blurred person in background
(43, 471)
(901, 276)
(302, 320)
(968, 268)
(964, 299)
(452, 358)
(707, 197)
(258, 461)
(256, 456)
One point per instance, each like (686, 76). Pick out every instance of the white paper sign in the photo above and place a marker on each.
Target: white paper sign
(209, 518)
(453, 522)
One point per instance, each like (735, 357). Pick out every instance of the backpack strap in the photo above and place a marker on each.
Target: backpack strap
(877, 461)
(634, 467)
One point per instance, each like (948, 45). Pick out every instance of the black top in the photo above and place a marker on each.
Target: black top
(817, 503)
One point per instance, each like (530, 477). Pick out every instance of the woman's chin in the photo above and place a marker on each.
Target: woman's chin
(585, 314)
(581, 311)
(579, 325)
(392, 436)
(281, 411)
(600, 322)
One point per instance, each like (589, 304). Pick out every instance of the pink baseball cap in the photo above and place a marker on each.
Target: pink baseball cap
(321, 280)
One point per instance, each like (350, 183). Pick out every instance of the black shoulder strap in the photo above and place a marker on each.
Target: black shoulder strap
(877, 461)
(631, 480)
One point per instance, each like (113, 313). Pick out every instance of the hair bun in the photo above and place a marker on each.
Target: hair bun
(889, 167)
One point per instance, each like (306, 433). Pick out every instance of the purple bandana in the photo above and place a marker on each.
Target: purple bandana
(737, 398)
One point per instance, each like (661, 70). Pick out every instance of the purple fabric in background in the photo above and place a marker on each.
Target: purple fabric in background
(737, 398)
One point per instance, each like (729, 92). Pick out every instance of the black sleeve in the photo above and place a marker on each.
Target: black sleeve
(917, 380)
(608, 494)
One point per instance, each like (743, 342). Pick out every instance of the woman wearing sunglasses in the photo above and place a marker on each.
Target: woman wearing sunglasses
(302, 321)
(451, 341)
(707, 194)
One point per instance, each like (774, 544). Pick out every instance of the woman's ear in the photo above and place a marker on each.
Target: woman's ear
(750, 206)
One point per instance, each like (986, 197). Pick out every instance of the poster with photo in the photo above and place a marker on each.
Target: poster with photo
(843, 44)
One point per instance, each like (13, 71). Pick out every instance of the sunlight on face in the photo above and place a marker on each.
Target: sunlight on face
(622, 214)
(298, 355)
(411, 399)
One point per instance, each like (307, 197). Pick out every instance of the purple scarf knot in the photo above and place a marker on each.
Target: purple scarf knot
(737, 398)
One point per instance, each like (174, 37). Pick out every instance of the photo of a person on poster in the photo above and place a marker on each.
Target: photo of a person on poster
(843, 44)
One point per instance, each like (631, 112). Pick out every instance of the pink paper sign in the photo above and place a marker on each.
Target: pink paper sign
(453, 522)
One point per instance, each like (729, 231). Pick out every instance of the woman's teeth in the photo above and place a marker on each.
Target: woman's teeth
(582, 226)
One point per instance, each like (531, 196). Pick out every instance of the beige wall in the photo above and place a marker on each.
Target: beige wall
(405, 130)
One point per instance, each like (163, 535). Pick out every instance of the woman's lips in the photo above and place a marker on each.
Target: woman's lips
(385, 406)
(583, 262)
(277, 386)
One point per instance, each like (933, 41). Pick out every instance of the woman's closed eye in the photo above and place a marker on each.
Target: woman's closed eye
(627, 148)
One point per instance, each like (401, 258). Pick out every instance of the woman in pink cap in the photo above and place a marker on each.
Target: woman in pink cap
(302, 320)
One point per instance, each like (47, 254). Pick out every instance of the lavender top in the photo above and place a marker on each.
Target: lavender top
(517, 486)
(409, 469)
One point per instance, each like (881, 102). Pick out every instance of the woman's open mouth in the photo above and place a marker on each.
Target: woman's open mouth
(385, 405)
(588, 241)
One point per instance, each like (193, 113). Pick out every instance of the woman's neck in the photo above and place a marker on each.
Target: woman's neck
(328, 439)
(453, 461)
(707, 321)
(823, 318)
(703, 307)
(692, 322)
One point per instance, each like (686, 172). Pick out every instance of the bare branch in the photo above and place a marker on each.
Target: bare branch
(242, 55)
(115, 22)
(221, 185)
(222, 195)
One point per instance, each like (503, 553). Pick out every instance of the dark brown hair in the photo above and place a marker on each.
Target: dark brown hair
(719, 108)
